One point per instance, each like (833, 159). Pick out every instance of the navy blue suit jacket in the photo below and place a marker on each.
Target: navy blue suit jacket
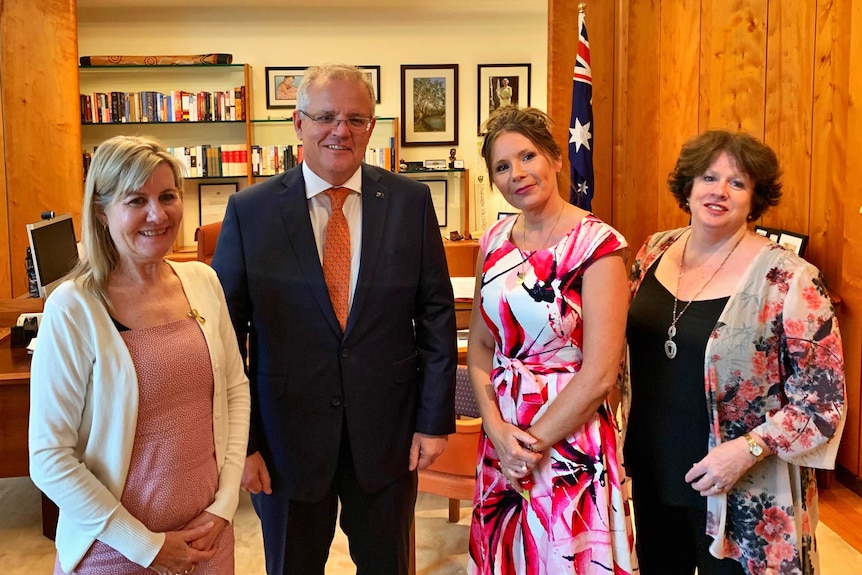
(390, 374)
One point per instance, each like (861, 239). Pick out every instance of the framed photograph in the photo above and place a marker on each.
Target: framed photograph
(504, 215)
(213, 201)
(373, 73)
(439, 197)
(794, 242)
(429, 105)
(282, 85)
(770, 233)
(502, 85)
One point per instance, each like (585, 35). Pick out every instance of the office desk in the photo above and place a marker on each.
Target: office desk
(14, 409)
(14, 420)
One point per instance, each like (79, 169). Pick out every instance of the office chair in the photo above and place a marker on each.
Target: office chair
(207, 236)
(453, 474)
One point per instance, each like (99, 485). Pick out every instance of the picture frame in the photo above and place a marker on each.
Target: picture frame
(213, 201)
(771, 233)
(429, 105)
(493, 80)
(796, 243)
(281, 85)
(373, 73)
(504, 215)
(440, 199)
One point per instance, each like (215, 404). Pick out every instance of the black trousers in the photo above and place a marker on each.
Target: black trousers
(297, 534)
(671, 540)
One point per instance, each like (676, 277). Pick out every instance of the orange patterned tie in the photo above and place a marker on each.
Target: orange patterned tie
(336, 255)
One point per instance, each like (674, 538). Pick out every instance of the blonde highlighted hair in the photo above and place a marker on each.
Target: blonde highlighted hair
(120, 165)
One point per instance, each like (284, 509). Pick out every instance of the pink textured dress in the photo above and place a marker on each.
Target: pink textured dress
(173, 475)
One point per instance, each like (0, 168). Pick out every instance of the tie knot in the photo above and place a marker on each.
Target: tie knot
(337, 197)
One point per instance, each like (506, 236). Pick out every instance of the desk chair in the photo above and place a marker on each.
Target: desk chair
(207, 237)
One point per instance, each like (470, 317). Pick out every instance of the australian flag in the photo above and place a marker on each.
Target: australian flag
(581, 125)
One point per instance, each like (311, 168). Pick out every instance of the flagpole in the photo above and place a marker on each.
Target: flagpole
(582, 7)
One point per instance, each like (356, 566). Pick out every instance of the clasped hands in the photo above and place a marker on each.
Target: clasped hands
(518, 458)
(184, 549)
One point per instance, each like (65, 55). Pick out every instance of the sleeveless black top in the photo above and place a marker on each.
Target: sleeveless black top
(668, 426)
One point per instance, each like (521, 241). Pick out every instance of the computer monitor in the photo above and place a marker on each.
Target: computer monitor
(54, 249)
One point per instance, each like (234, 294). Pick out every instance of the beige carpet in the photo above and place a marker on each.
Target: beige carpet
(441, 547)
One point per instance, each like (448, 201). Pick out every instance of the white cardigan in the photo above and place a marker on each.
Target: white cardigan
(83, 415)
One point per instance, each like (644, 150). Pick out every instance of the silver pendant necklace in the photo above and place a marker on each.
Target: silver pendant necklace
(670, 345)
(521, 273)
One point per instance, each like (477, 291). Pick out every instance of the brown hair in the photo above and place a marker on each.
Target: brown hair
(532, 123)
(752, 156)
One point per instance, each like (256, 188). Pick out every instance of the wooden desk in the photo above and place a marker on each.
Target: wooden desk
(461, 257)
(14, 421)
(14, 409)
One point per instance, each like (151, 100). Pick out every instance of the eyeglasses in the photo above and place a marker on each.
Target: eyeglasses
(354, 124)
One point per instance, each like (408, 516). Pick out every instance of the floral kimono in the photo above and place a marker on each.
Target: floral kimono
(773, 365)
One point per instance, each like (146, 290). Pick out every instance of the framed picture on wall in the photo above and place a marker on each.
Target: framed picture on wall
(282, 85)
(440, 199)
(373, 73)
(502, 85)
(796, 243)
(429, 105)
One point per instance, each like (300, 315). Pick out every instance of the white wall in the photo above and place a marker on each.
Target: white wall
(387, 34)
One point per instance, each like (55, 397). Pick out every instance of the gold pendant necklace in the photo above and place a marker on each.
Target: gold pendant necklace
(670, 345)
(521, 272)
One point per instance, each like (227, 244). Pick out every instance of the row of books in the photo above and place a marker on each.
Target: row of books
(271, 160)
(383, 157)
(208, 161)
(149, 106)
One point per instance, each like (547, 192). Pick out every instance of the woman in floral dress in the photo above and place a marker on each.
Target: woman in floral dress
(737, 378)
(545, 346)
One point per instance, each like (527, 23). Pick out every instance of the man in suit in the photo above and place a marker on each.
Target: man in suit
(353, 383)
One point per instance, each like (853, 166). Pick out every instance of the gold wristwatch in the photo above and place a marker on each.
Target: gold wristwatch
(753, 447)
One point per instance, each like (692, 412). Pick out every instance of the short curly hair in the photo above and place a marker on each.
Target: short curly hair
(752, 156)
(532, 123)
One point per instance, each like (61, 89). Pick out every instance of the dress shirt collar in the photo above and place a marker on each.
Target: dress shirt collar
(314, 184)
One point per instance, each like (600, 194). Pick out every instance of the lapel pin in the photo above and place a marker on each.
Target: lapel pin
(379, 194)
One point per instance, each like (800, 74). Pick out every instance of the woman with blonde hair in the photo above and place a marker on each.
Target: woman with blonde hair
(139, 401)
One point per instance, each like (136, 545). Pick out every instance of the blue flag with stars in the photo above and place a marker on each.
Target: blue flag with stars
(581, 125)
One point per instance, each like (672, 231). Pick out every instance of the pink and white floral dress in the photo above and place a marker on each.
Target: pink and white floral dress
(576, 520)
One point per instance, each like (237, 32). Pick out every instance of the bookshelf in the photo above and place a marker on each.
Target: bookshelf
(202, 106)
(273, 135)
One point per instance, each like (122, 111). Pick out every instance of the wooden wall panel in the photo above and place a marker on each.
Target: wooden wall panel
(678, 98)
(600, 26)
(851, 282)
(828, 185)
(5, 265)
(789, 81)
(41, 118)
(639, 129)
(733, 65)
(829, 147)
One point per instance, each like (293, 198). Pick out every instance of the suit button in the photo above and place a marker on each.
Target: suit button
(344, 352)
(336, 401)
